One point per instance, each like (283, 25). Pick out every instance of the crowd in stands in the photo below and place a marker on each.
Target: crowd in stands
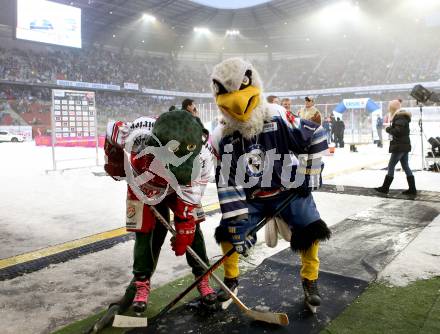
(341, 67)
(334, 68)
(32, 103)
(349, 68)
(101, 66)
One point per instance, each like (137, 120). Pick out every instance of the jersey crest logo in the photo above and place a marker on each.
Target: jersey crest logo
(254, 160)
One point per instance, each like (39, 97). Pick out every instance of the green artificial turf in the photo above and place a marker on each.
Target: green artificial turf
(383, 309)
(159, 298)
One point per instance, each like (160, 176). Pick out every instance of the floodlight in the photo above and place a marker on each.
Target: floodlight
(232, 32)
(148, 17)
(341, 11)
(435, 142)
(421, 94)
(201, 30)
(423, 4)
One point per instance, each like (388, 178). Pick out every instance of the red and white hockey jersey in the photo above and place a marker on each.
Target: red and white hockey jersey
(132, 138)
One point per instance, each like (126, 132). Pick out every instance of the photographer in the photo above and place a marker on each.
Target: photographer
(400, 146)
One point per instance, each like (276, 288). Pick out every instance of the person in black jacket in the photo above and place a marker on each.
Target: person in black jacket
(400, 146)
(339, 132)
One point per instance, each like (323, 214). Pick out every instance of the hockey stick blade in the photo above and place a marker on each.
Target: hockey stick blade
(265, 316)
(269, 317)
(104, 321)
(123, 321)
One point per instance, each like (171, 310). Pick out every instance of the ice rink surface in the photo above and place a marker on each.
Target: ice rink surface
(39, 209)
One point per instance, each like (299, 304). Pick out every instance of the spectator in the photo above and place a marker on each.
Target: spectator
(273, 99)
(286, 103)
(400, 146)
(309, 111)
(339, 132)
(379, 128)
(189, 106)
(332, 128)
(327, 127)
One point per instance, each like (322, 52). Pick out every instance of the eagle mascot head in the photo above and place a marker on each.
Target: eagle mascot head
(238, 90)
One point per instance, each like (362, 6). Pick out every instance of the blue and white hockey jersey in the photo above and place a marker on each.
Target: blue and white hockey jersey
(283, 156)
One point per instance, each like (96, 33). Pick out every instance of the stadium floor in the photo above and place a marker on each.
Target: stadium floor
(68, 291)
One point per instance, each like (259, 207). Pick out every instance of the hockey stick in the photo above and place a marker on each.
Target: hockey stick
(108, 316)
(214, 267)
(269, 317)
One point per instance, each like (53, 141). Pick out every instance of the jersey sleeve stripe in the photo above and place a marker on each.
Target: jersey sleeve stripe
(232, 214)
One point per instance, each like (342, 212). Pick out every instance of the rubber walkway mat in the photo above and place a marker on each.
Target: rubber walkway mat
(364, 243)
(422, 195)
(272, 286)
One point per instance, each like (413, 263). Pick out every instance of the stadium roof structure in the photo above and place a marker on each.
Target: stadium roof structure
(258, 26)
(268, 23)
(230, 4)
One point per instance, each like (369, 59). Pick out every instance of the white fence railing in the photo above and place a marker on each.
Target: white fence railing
(359, 124)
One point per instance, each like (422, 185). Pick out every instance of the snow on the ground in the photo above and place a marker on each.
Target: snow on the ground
(419, 260)
(343, 159)
(370, 156)
(38, 210)
(44, 209)
(373, 161)
(370, 178)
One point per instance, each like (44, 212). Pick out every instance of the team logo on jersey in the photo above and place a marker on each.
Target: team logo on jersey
(131, 211)
(254, 160)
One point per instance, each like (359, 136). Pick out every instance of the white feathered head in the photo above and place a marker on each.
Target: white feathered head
(237, 89)
(234, 72)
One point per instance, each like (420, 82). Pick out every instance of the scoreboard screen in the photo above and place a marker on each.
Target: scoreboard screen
(73, 114)
(48, 22)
